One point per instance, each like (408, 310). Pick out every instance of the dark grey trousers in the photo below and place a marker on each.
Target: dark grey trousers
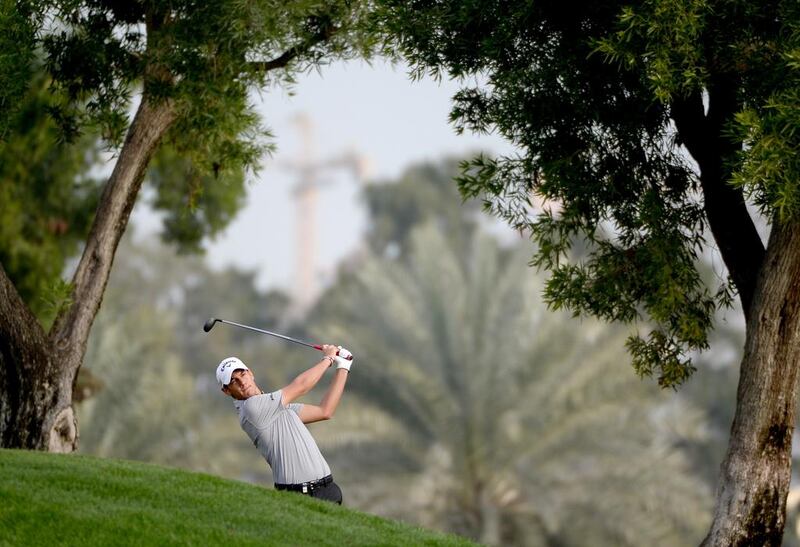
(329, 492)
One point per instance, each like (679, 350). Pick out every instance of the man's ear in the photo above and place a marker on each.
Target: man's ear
(225, 390)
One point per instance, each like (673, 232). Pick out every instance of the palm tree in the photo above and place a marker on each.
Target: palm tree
(499, 419)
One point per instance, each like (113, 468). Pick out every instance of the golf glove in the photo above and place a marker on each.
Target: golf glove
(342, 360)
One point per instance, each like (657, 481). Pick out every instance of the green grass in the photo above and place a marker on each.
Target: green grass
(53, 499)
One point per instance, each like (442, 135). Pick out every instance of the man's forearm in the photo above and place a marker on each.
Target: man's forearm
(334, 394)
(312, 376)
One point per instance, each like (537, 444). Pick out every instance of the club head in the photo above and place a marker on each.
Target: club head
(209, 324)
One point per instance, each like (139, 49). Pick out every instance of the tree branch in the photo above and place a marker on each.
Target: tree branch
(730, 222)
(290, 54)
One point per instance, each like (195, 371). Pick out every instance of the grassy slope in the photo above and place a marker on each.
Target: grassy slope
(50, 499)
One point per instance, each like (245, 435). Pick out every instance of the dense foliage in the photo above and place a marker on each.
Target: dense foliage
(590, 93)
(49, 193)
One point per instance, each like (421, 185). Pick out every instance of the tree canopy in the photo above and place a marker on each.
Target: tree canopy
(588, 92)
(17, 45)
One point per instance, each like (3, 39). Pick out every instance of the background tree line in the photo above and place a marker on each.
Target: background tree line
(486, 413)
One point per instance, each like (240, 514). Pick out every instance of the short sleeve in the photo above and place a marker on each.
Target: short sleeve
(295, 407)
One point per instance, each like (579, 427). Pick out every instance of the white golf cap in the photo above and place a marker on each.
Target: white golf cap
(226, 368)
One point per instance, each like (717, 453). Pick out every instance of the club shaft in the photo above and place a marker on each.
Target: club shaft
(270, 333)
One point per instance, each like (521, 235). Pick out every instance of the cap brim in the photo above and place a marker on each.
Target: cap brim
(226, 376)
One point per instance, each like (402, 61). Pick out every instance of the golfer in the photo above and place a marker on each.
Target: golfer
(275, 423)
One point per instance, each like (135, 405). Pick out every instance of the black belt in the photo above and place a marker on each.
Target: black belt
(305, 487)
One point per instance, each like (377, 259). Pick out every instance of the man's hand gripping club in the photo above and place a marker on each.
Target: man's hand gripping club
(343, 359)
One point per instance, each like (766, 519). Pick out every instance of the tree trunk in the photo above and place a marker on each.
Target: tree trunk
(26, 374)
(754, 480)
(38, 370)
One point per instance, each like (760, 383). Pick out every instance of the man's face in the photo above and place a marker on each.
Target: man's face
(242, 385)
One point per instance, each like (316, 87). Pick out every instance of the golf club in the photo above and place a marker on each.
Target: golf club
(212, 321)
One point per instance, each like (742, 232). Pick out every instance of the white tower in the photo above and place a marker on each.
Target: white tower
(310, 178)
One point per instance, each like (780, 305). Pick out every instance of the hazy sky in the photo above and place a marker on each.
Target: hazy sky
(375, 111)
